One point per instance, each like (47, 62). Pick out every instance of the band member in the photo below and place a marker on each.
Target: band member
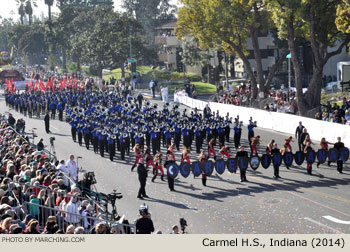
(287, 143)
(111, 146)
(237, 135)
(202, 158)
(298, 133)
(276, 168)
(303, 136)
(211, 148)
(137, 151)
(149, 159)
(306, 150)
(80, 134)
(170, 158)
(324, 146)
(339, 145)
(159, 166)
(254, 145)
(225, 152)
(142, 172)
(185, 156)
(242, 153)
(251, 127)
(269, 147)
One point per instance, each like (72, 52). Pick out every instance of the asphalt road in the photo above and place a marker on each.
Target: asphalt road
(297, 203)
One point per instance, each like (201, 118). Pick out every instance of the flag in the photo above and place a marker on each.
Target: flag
(42, 86)
(86, 82)
(289, 56)
(30, 84)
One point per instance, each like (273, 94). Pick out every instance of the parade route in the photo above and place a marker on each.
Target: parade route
(297, 203)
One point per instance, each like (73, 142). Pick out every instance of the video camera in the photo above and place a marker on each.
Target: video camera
(251, 122)
(183, 224)
(52, 139)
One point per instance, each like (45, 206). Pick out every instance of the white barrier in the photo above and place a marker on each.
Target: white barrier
(281, 122)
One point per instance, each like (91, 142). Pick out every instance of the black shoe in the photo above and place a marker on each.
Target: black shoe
(139, 197)
(242, 180)
(172, 190)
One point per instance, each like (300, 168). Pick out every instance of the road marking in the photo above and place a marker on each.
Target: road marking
(54, 128)
(310, 200)
(331, 218)
(323, 225)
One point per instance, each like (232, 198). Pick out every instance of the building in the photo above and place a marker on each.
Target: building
(169, 46)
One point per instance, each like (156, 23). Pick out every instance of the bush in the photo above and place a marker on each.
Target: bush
(72, 67)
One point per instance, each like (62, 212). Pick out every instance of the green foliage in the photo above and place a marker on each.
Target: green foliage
(72, 67)
(343, 17)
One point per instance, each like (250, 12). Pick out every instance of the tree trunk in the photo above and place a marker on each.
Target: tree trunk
(100, 69)
(64, 59)
(49, 12)
(232, 69)
(259, 69)
(30, 19)
(248, 67)
(272, 72)
(302, 106)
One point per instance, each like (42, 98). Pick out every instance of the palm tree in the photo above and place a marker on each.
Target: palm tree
(29, 9)
(49, 3)
(21, 10)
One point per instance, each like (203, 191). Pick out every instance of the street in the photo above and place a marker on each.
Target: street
(297, 203)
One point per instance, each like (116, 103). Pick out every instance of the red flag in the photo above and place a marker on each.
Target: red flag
(42, 86)
(47, 83)
(30, 84)
(36, 86)
(63, 84)
(53, 87)
(86, 82)
(13, 87)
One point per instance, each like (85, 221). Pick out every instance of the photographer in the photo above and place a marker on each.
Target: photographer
(40, 145)
(144, 225)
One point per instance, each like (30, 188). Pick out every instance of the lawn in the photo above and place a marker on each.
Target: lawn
(334, 98)
(201, 87)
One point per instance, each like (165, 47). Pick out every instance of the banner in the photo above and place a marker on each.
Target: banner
(254, 162)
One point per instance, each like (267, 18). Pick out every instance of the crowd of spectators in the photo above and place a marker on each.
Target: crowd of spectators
(38, 196)
(337, 113)
(282, 100)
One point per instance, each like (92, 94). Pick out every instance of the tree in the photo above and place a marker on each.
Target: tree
(192, 55)
(314, 21)
(29, 9)
(227, 24)
(21, 10)
(342, 20)
(107, 44)
(150, 13)
(32, 44)
(49, 3)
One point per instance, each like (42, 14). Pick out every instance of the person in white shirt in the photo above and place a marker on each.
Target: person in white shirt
(72, 168)
(230, 87)
(166, 93)
(72, 215)
(151, 84)
(62, 169)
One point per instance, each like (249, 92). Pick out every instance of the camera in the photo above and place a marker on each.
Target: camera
(183, 224)
(52, 139)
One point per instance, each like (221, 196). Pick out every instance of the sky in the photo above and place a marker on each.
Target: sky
(8, 8)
